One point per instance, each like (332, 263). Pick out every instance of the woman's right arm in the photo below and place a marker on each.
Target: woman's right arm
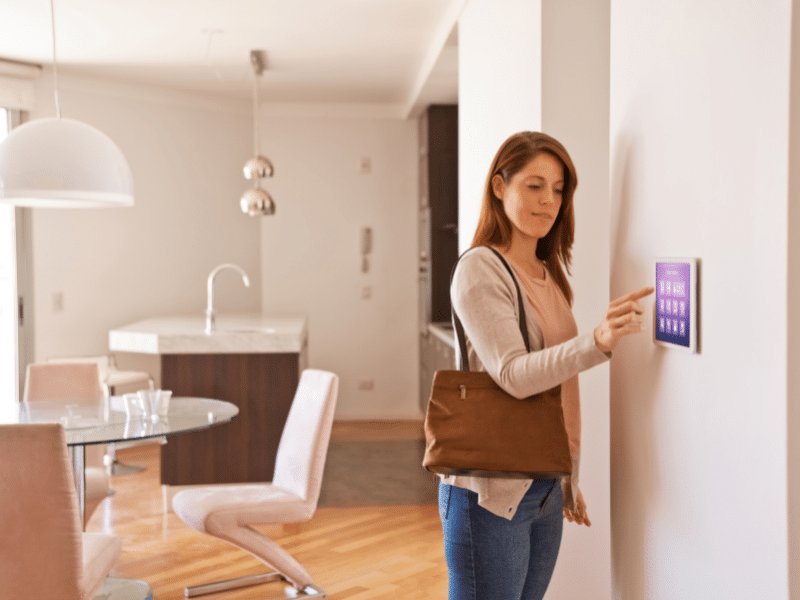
(484, 298)
(623, 317)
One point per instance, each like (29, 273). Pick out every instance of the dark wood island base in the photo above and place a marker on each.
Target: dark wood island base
(261, 385)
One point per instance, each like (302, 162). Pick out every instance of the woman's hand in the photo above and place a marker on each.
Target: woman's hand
(623, 317)
(578, 515)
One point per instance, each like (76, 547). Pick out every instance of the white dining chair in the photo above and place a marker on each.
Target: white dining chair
(111, 378)
(231, 512)
(44, 552)
(78, 384)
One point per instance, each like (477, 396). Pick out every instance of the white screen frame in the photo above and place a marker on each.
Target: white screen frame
(693, 299)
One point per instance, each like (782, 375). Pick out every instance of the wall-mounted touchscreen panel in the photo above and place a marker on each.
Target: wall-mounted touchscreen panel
(676, 303)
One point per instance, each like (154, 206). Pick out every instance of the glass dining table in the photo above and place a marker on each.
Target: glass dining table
(85, 426)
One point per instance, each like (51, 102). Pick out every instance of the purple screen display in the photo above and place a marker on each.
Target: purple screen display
(673, 306)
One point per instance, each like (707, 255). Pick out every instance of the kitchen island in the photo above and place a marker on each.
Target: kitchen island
(252, 361)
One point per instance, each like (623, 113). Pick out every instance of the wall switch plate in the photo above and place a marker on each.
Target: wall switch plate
(58, 301)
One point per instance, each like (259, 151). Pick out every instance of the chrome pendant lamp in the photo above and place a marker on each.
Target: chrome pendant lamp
(62, 163)
(257, 201)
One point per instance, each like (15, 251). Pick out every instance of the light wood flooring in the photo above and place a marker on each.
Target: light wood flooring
(353, 552)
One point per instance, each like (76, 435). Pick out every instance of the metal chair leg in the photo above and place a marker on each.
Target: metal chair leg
(310, 591)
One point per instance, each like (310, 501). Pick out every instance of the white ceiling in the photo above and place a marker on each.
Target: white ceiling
(398, 52)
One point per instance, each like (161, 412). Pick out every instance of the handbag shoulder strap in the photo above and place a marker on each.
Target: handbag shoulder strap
(523, 324)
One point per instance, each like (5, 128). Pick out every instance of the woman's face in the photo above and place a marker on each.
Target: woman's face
(532, 198)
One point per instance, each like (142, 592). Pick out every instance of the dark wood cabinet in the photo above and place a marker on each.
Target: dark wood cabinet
(442, 197)
(261, 385)
(438, 226)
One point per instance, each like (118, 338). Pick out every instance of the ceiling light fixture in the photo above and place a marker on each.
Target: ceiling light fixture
(257, 201)
(55, 162)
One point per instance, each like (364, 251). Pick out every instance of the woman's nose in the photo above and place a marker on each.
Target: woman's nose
(547, 198)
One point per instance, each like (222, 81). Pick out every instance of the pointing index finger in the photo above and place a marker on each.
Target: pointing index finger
(645, 291)
(638, 294)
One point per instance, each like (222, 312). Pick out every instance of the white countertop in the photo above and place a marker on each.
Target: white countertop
(236, 334)
(443, 331)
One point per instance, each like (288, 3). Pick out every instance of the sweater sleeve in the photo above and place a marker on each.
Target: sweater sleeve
(484, 298)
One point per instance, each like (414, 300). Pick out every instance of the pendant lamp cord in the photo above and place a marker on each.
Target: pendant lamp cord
(255, 112)
(55, 63)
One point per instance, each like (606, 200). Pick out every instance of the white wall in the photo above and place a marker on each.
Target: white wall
(116, 266)
(544, 66)
(499, 92)
(310, 252)
(575, 95)
(699, 121)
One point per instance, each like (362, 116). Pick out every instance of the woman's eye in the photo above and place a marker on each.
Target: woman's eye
(559, 192)
(534, 186)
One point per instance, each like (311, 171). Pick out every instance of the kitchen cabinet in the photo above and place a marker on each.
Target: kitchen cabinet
(438, 238)
(437, 353)
(438, 193)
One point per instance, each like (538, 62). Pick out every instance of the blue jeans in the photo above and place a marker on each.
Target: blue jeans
(492, 558)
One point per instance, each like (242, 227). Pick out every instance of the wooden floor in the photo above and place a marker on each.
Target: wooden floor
(353, 553)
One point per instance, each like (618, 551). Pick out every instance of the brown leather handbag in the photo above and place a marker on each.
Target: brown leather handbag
(473, 427)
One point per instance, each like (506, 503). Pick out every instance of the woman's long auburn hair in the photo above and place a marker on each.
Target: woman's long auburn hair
(494, 228)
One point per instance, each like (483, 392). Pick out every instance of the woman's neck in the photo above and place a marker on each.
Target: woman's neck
(523, 253)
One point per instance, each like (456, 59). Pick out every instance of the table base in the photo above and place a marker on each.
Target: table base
(114, 588)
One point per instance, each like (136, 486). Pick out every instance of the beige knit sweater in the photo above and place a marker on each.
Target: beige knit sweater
(485, 299)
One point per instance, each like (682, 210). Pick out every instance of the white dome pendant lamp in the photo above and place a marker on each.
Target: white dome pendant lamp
(257, 201)
(62, 163)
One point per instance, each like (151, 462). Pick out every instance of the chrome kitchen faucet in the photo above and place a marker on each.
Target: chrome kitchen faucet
(211, 325)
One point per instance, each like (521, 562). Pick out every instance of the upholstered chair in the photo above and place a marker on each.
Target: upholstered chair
(74, 384)
(44, 552)
(230, 512)
(111, 378)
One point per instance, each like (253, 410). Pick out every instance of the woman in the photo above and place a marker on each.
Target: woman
(502, 535)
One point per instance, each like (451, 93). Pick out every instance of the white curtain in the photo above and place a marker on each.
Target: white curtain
(9, 365)
(16, 85)
(16, 95)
